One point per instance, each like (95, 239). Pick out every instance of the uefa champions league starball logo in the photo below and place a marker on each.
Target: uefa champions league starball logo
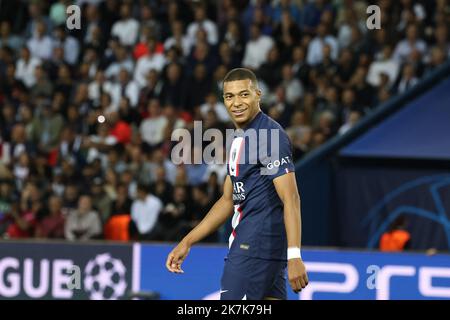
(105, 278)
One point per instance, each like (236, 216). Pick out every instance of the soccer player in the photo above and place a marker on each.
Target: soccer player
(263, 196)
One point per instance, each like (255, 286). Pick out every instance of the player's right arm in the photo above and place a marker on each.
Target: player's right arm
(219, 213)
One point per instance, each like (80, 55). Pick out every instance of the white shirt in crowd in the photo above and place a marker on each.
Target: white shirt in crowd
(25, 70)
(390, 67)
(152, 129)
(145, 213)
(256, 51)
(146, 63)
(126, 30)
(219, 108)
(294, 90)
(71, 49)
(131, 92)
(5, 152)
(404, 49)
(186, 44)
(170, 168)
(114, 68)
(94, 90)
(405, 84)
(210, 28)
(88, 222)
(315, 49)
(94, 153)
(41, 47)
(219, 169)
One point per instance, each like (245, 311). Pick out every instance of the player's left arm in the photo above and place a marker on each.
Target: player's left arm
(286, 187)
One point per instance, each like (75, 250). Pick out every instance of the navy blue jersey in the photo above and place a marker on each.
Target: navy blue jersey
(257, 156)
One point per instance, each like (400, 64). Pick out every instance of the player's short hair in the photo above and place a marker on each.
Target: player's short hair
(241, 74)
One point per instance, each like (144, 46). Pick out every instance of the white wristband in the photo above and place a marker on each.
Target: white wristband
(293, 253)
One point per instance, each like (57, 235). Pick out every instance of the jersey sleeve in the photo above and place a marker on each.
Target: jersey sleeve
(276, 154)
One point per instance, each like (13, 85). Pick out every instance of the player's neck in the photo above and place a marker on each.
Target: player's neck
(243, 126)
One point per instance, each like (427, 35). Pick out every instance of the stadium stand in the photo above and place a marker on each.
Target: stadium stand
(86, 115)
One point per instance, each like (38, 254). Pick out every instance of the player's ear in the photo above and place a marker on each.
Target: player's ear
(258, 93)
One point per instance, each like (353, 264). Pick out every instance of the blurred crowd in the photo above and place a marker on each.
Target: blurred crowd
(87, 114)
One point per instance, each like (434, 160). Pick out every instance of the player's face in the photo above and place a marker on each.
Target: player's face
(242, 100)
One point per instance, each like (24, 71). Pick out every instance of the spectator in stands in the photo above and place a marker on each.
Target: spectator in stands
(312, 13)
(151, 129)
(252, 6)
(7, 39)
(83, 223)
(386, 65)
(363, 90)
(396, 238)
(287, 32)
(101, 202)
(257, 48)
(286, 6)
(411, 42)
(202, 22)
(69, 44)
(40, 44)
(173, 86)
(145, 212)
(122, 61)
(25, 213)
(152, 69)
(7, 200)
(197, 88)
(161, 187)
(196, 169)
(25, 67)
(46, 129)
(52, 225)
(315, 49)
(36, 12)
(43, 86)
(233, 36)
(149, 20)
(152, 60)
(441, 38)
(219, 108)
(70, 198)
(122, 203)
(178, 39)
(119, 129)
(174, 222)
(353, 118)
(202, 204)
(270, 71)
(292, 86)
(408, 78)
(127, 27)
(7, 121)
(437, 58)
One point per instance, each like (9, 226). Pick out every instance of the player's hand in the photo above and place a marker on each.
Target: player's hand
(298, 279)
(176, 257)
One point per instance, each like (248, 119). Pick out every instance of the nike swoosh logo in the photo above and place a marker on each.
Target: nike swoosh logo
(223, 291)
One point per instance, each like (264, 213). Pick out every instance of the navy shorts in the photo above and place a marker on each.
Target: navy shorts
(247, 278)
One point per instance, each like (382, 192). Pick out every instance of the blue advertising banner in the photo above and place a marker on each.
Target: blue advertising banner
(66, 270)
(333, 274)
(202, 272)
